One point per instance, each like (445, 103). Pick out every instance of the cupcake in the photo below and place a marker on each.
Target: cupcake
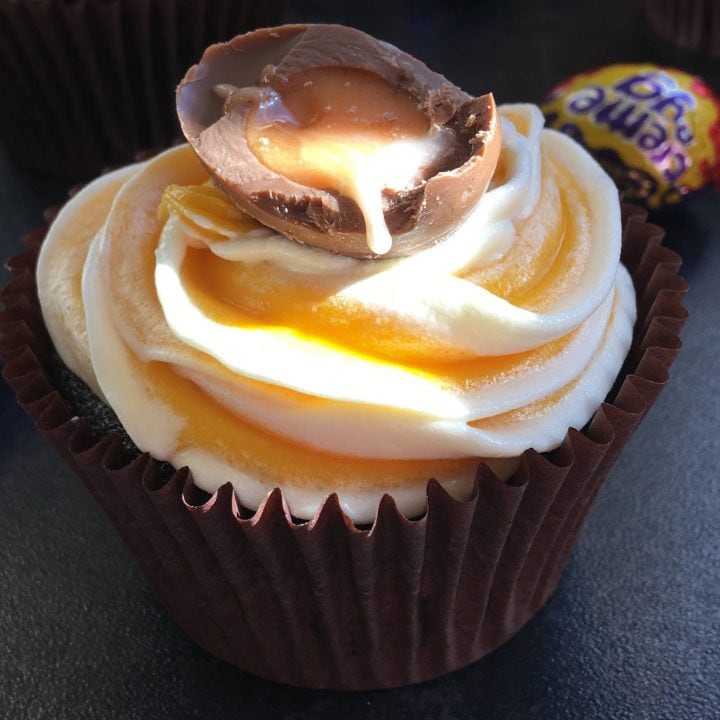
(90, 83)
(358, 333)
(691, 24)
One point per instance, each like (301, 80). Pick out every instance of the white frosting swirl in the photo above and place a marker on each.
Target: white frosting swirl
(343, 375)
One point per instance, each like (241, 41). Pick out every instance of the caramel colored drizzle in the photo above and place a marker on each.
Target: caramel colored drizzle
(332, 128)
(243, 295)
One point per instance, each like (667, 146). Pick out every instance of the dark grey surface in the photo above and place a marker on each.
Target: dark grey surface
(633, 630)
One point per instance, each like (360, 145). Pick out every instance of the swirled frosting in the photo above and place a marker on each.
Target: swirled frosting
(254, 360)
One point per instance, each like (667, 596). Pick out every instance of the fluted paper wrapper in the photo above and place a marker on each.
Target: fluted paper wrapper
(326, 604)
(692, 24)
(86, 83)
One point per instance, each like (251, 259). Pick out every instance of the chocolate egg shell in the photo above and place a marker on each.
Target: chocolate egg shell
(416, 216)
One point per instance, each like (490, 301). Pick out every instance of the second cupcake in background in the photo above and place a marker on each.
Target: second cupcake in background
(691, 24)
(88, 84)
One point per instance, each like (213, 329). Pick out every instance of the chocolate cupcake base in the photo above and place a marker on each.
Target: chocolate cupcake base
(326, 604)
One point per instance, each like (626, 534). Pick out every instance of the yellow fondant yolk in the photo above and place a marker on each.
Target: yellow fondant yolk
(324, 128)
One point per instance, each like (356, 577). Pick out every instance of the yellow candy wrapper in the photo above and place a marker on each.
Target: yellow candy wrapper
(655, 130)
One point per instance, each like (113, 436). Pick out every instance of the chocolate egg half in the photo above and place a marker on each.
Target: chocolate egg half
(221, 98)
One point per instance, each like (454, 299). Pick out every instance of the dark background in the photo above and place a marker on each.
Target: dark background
(633, 630)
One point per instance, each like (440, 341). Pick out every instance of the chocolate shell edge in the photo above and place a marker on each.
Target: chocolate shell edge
(416, 217)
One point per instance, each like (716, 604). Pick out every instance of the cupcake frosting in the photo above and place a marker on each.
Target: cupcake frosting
(255, 360)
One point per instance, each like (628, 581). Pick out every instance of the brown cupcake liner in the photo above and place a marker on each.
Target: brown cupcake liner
(326, 604)
(691, 24)
(89, 82)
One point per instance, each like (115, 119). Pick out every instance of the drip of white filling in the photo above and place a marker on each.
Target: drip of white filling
(396, 166)
(364, 169)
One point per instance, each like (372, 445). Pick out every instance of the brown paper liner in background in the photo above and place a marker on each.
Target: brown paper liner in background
(324, 604)
(691, 24)
(86, 83)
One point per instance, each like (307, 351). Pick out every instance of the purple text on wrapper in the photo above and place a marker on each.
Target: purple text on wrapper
(631, 109)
